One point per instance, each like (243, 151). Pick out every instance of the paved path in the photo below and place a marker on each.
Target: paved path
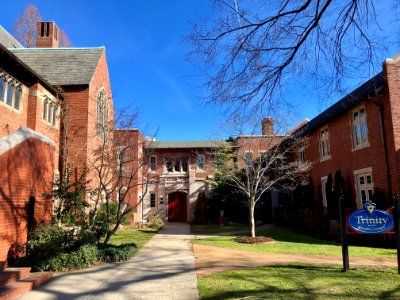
(163, 269)
(211, 259)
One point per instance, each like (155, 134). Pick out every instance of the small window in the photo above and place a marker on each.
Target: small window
(364, 186)
(200, 159)
(17, 97)
(184, 165)
(152, 200)
(169, 164)
(359, 128)
(2, 88)
(153, 163)
(177, 166)
(50, 112)
(324, 148)
(248, 157)
(324, 180)
(10, 94)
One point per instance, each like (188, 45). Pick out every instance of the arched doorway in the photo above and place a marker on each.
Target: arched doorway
(177, 207)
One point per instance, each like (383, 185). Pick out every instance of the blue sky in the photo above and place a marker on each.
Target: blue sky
(146, 55)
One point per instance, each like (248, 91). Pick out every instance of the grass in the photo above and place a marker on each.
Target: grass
(216, 228)
(301, 282)
(290, 242)
(136, 236)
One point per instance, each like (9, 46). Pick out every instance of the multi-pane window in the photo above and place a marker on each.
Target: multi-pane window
(301, 154)
(264, 159)
(248, 159)
(324, 147)
(176, 165)
(365, 187)
(201, 162)
(153, 163)
(152, 200)
(50, 112)
(10, 91)
(359, 128)
(102, 115)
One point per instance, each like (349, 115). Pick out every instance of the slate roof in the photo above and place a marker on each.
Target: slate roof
(62, 66)
(183, 144)
(374, 85)
(7, 40)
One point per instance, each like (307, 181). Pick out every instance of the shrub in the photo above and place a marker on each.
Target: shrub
(112, 253)
(155, 222)
(47, 241)
(83, 257)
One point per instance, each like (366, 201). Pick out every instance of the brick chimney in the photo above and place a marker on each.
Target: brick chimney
(267, 126)
(47, 35)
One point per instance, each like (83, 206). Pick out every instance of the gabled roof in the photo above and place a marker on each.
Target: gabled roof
(7, 40)
(183, 144)
(372, 86)
(62, 66)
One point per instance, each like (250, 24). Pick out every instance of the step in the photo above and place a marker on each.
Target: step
(15, 289)
(13, 274)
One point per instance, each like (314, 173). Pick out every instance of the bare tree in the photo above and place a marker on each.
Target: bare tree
(275, 167)
(25, 27)
(253, 50)
(63, 40)
(117, 165)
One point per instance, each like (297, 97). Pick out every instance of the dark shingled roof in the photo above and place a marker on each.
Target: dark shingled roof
(62, 66)
(183, 144)
(7, 40)
(374, 85)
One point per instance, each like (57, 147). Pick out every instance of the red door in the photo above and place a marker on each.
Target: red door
(177, 207)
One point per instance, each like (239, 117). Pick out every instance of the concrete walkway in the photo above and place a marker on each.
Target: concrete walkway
(163, 269)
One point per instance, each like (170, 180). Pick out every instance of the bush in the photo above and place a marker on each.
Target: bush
(112, 253)
(47, 241)
(83, 257)
(155, 222)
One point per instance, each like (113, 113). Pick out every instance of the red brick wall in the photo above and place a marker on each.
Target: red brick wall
(11, 119)
(344, 157)
(26, 170)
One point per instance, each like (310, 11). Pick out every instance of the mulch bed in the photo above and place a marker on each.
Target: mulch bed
(254, 240)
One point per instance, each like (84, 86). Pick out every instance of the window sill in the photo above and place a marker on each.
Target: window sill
(366, 145)
(18, 111)
(325, 158)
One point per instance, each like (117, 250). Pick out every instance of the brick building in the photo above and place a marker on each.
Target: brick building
(360, 136)
(56, 109)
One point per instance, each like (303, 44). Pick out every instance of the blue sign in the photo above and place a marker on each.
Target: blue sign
(371, 220)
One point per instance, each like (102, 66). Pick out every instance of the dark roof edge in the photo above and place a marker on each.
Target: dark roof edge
(40, 79)
(372, 85)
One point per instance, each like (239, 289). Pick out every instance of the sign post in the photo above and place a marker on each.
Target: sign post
(343, 228)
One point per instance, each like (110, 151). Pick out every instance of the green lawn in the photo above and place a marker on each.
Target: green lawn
(289, 241)
(137, 236)
(301, 282)
(216, 228)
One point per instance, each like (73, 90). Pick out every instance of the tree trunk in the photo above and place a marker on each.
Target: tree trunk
(252, 225)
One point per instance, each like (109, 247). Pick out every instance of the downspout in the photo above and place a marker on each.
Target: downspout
(388, 174)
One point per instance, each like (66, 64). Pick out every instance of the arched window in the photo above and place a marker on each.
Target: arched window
(102, 115)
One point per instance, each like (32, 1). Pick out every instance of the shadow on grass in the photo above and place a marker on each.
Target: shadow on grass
(302, 282)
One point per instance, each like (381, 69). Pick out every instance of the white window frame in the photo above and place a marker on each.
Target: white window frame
(301, 154)
(175, 161)
(324, 146)
(201, 162)
(361, 125)
(366, 188)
